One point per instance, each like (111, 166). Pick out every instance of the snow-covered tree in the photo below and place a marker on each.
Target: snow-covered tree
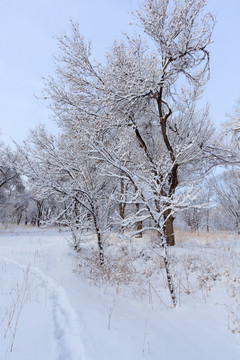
(61, 168)
(135, 117)
(138, 110)
(232, 127)
(12, 190)
(135, 103)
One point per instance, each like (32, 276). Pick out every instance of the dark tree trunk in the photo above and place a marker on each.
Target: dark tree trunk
(39, 212)
(122, 205)
(169, 278)
(207, 220)
(99, 239)
(139, 228)
(19, 217)
(100, 246)
(168, 228)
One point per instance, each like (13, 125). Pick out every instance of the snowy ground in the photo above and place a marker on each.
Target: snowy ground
(55, 305)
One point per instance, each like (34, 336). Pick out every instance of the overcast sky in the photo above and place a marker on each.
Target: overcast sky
(27, 30)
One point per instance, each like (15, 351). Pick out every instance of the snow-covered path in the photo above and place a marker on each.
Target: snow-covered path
(67, 332)
(64, 318)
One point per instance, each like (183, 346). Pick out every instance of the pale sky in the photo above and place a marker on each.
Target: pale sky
(27, 30)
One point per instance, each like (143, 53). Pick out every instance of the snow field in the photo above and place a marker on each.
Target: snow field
(29, 297)
(73, 311)
(23, 303)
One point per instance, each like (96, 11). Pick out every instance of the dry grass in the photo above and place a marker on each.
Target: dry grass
(180, 236)
(203, 236)
(200, 274)
(18, 294)
(150, 239)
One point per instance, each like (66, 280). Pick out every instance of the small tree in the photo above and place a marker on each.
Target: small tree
(62, 168)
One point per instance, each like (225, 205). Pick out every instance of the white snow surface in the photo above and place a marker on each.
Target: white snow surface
(49, 311)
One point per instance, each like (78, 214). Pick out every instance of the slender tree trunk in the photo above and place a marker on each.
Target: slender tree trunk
(168, 273)
(19, 217)
(39, 212)
(100, 247)
(238, 225)
(238, 218)
(207, 220)
(165, 257)
(139, 224)
(121, 210)
(122, 205)
(100, 241)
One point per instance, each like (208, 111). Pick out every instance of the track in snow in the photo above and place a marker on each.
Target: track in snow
(67, 328)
